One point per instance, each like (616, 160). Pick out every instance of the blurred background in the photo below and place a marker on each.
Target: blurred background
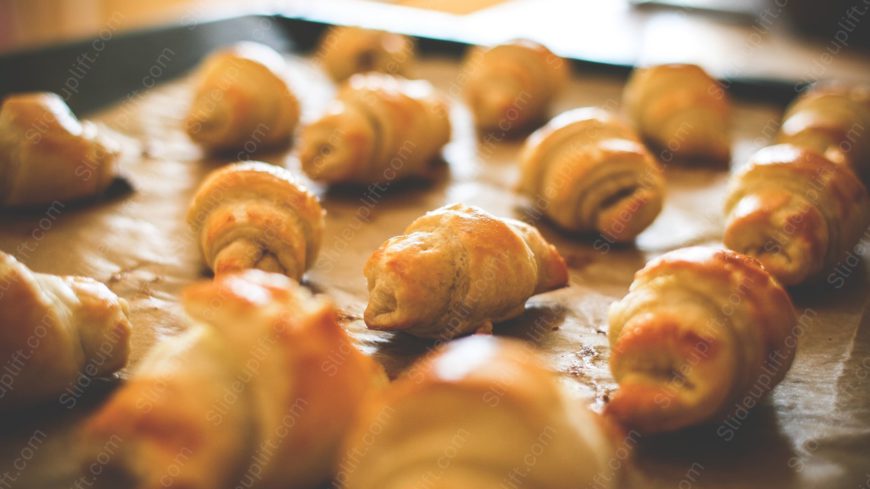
(797, 40)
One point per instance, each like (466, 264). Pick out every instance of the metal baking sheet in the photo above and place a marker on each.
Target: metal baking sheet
(813, 431)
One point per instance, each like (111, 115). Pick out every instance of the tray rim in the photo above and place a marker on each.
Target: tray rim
(296, 32)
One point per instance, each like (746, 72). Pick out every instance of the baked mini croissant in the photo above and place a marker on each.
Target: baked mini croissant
(242, 100)
(457, 270)
(380, 128)
(832, 119)
(257, 392)
(512, 85)
(256, 215)
(588, 172)
(682, 110)
(795, 211)
(480, 412)
(347, 50)
(56, 332)
(48, 155)
(702, 333)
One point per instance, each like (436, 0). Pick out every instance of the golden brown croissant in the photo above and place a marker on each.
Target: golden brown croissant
(55, 333)
(48, 155)
(702, 333)
(256, 215)
(512, 85)
(832, 119)
(587, 171)
(682, 110)
(243, 101)
(457, 270)
(795, 211)
(379, 129)
(480, 412)
(347, 50)
(258, 392)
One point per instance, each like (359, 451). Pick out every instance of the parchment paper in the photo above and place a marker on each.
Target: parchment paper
(814, 431)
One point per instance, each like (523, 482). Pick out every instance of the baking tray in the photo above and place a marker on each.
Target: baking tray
(813, 431)
(122, 60)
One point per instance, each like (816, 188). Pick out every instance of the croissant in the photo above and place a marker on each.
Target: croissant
(347, 50)
(682, 110)
(242, 101)
(587, 171)
(457, 270)
(256, 215)
(832, 120)
(257, 393)
(48, 155)
(795, 211)
(480, 412)
(702, 335)
(56, 333)
(380, 128)
(512, 85)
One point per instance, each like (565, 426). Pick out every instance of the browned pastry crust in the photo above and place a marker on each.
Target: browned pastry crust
(700, 331)
(833, 120)
(511, 86)
(256, 215)
(48, 155)
(474, 414)
(682, 110)
(345, 51)
(242, 100)
(258, 392)
(588, 172)
(795, 211)
(457, 270)
(380, 128)
(55, 333)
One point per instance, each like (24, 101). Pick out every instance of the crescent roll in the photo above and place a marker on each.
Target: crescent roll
(701, 334)
(480, 412)
(347, 50)
(55, 333)
(512, 85)
(48, 155)
(256, 215)
(682, 110)
(380, 128)
(242, 101)
(257, 392)
(833, 120)
(795, 211)
(457, 270)
(589, 172)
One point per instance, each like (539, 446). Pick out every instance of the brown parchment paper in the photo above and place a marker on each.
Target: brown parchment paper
(812, 432)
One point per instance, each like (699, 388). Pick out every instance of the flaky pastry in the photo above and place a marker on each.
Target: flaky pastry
(700, 331)
(511, 86)
(47, 154)
(347, 50)
(56, 332)
(833, 120)
(256, 215)
(242, 100)
(456, 270)
(588, 172)
(257, 392)
(682, 110)
(479, 412)
(380, 128)
(795, 211)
